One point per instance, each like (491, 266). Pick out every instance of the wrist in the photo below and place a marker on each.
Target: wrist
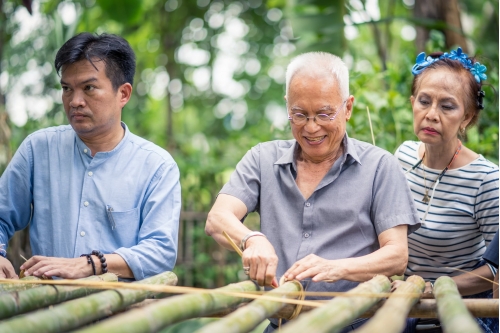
(247, 237)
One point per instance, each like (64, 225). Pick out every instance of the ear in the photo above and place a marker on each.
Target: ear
(124, 94)
(348, 107)
(412, 101)
(467, 118)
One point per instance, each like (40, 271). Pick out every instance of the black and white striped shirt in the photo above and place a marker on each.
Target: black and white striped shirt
(462, 217)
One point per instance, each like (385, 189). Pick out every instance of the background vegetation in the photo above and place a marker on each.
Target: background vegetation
(210, 81)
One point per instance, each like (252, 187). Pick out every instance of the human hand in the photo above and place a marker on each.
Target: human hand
(6, 269)
(260, 256)
(315, 267)
(66, 268)
(395, 285)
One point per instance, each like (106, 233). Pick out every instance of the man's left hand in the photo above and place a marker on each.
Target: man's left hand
(315, 267)
(66, 268)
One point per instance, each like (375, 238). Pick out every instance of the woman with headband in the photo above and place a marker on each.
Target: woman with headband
(455, 189)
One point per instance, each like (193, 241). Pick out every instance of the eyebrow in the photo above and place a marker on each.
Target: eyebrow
(92, 79)
(321, 109)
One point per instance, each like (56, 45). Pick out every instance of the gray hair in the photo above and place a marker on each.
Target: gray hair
(320, 63)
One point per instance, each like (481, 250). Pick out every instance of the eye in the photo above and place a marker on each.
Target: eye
(448, 107)
(423, 101)
(298, 116)
(89, 87)
(65, 88)
(323, 117)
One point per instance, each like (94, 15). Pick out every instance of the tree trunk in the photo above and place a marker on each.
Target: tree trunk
(340, 311)
(154, 317)
(251, 315)
(452, 311)
(441, 10)
(391, 318)
(78, 312)
(15, 303)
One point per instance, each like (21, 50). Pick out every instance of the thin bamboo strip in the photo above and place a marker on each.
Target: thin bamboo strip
(8, 287)
(154, 317)
(75, 313)
(19, 302)
(250, 316)
(391, 318)
(340, 311)
(452, 312)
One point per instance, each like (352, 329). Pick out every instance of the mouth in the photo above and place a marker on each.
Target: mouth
(315, 140)
(430, 130)
(78, 116)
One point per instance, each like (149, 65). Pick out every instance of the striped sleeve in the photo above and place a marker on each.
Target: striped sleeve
(486, 206)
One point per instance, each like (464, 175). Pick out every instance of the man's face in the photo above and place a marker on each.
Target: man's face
(92, 106)
(313, 95)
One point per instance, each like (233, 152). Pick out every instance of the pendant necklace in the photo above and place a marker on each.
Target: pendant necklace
(426, 197)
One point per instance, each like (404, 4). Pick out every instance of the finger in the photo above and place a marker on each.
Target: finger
(270, 274)
(261, 274)
(311, 272)
(10, 273)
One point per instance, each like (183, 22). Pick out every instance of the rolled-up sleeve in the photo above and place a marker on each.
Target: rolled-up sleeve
(16, 194)
(391, 197)
(156, 250)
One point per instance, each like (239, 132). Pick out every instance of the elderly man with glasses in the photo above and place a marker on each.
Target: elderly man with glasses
(334, 211)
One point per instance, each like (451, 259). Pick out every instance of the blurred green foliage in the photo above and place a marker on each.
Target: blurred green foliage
(210, 79)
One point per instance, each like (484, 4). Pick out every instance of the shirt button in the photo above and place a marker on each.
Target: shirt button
(308, 204)
(306, 235)
(85, 151)
(86, 203)
(90, 173)
(82, 233)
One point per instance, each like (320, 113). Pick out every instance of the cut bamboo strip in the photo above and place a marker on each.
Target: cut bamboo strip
(19, 302)
(158, 315)
(452, 312)
(8, 287)
(250, 316)
(340, 311)
(75, 313)
(391, 318)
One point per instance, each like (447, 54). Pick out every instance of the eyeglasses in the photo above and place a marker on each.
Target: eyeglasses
(300, 119)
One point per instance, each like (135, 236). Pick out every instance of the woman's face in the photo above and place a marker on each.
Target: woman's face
(439, 107)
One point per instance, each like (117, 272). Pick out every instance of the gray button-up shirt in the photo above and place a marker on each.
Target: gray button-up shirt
(363, 194)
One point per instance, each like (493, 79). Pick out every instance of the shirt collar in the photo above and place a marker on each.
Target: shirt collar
(86, 150)
(288, 156)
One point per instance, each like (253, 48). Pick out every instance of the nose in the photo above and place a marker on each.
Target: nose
(311, 125)
(76, 100)
(432, 113)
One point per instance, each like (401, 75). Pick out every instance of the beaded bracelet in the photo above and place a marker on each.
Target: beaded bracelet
(90, 261)
(102, 258)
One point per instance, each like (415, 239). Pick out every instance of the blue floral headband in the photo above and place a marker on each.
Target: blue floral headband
(476, 69)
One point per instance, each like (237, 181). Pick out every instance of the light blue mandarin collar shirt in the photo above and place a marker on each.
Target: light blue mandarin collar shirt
(125, 201)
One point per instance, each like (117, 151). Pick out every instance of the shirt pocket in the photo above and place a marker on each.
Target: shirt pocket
(125, 227)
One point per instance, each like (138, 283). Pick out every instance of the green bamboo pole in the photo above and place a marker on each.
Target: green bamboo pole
(19, 302)
(250, 316)
(340, 311)
(8, 287)
(154, 317)
(75, 313)
(391, 317)
(452, 311)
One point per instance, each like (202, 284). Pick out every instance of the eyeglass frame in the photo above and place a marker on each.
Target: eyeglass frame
(314, 117)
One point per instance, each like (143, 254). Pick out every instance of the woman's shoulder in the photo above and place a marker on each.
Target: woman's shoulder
(408, 149)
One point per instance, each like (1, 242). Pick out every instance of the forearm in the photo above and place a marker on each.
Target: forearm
(389, 260)
(471, 283)
(116, 265)
(217, 222)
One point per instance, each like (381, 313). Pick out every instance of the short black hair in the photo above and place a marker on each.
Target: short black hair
(118, 56)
